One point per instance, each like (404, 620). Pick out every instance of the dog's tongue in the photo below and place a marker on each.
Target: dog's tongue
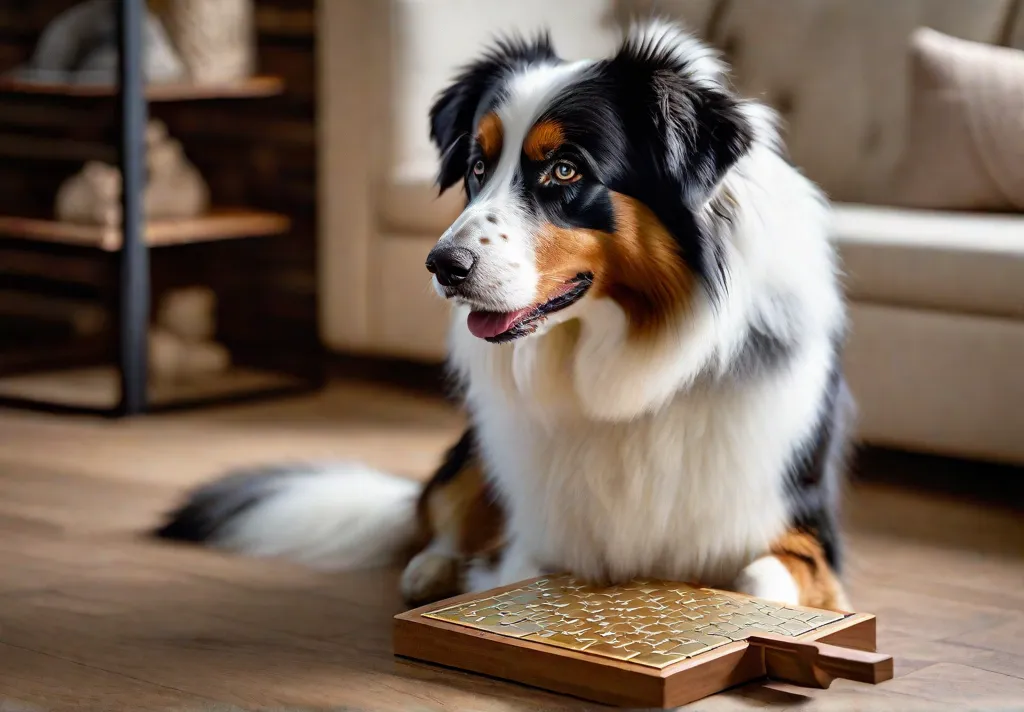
(485, 325)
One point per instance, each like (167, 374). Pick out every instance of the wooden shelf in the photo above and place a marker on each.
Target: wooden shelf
(253, 87)
(223, 224)
(99, 387)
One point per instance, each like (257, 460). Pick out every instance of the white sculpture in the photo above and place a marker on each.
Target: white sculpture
(174, 187)
(80, 47)
(181, 341)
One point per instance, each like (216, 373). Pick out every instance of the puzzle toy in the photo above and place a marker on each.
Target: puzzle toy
(645, 643)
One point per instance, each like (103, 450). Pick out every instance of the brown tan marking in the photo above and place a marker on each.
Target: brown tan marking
(490, 133)
(802, 555)
(639, 266)
(545, 137)
(458, 508)
(482, 534)
(462, 509)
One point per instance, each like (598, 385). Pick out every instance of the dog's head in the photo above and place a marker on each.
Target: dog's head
(584, 180)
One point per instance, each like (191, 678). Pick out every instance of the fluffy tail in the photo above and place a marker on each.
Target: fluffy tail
(331, 517)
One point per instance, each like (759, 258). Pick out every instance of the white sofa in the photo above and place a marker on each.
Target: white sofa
(936, 352)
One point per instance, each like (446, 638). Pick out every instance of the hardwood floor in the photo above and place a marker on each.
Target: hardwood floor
(95, 617)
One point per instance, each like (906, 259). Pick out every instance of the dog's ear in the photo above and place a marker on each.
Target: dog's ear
(454, 112)
(679, 92)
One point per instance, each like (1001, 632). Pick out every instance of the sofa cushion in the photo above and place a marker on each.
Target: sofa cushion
(937, 382)
(965, 147)
(1015, 32)
(837, 72)
(969, 263)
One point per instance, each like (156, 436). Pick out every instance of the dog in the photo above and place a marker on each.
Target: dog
(647, 331)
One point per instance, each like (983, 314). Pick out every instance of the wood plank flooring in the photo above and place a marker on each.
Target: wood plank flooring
(95, 617)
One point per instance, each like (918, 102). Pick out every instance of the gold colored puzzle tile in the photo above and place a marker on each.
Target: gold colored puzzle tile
(640, 647)
(562, 641)
(785, 614)
(723, 629)
(507, 631)
(688, 649)
(615, 652)
(795, 627)
(528, 627)
(513, 620)
(655, 629)
(622, 627)
(657, 660)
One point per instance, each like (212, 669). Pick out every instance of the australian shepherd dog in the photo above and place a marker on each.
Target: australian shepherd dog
(646, 334)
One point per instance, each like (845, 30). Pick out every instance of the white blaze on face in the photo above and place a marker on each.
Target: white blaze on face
(496, 226)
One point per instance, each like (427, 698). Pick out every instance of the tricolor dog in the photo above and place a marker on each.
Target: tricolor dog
(647, 326)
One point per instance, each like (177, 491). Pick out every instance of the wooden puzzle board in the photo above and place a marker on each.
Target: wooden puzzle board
(643, 644)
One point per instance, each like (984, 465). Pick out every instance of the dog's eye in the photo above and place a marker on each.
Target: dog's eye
(565, 172)
(479, 168)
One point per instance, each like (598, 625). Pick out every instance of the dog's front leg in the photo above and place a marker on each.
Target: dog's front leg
(795, 572)
(769, 579)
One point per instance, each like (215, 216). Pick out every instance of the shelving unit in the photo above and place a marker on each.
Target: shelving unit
(219, 224)
(252, 88)
(125, 388)
(95, 389)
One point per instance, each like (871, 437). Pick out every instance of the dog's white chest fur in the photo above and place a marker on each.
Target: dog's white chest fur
(692, 491)
(677, 494)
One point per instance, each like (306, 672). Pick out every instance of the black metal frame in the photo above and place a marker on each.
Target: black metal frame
(133, 271)
(133, 267)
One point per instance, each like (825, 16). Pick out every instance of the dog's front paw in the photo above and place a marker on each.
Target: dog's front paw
(769, 579)
(429, 577)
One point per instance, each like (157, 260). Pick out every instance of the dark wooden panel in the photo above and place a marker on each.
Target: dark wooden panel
(29, 17)
(19, 260)
(13, 52)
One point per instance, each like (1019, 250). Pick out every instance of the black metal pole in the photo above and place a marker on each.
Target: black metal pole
(133, 308)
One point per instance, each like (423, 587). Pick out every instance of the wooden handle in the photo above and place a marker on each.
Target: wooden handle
(813, 664)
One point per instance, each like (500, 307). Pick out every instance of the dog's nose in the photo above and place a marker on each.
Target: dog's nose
(451, 265)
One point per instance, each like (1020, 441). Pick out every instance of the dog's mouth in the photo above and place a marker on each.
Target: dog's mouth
(499, 327)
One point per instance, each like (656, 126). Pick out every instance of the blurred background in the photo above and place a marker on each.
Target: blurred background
(292, 201)
(288, 208)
